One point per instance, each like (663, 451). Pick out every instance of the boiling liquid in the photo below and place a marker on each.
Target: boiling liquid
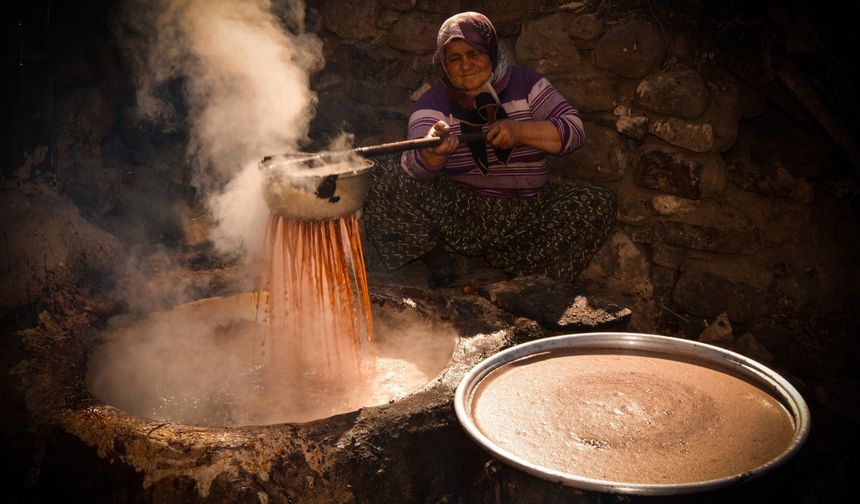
(303, 348)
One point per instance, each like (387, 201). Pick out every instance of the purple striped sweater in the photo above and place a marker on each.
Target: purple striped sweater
(528, 96)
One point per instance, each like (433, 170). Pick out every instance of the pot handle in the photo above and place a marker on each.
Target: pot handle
(418, 143)
(378, 150)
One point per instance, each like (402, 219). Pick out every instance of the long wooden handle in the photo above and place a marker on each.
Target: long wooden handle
(418, 143)
(382, 149)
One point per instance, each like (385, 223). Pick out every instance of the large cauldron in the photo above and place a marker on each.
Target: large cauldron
(405, 451)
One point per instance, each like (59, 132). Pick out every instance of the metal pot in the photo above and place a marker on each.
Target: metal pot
(308, 187)
(329, 185)
(674, 348)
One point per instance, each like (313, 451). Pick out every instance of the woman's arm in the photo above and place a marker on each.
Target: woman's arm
(543, 135)
(548, 105)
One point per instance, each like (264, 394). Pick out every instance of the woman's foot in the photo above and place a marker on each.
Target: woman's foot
(442, 276)
(441, 267)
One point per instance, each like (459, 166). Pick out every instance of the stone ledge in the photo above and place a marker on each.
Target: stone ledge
(556, 305)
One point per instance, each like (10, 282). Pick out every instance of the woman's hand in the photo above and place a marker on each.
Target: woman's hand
(435, 157)
(505, 134)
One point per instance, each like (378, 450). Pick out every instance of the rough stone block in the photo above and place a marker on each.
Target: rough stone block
(605, 157)
(730, 240)
(630, 50)
(556, 305)
(770, 181)
(723, 114)
(350, 19)
(415, 32)
(748, 345)
(622, 268)
(586, 27)
(633, 211)
(663, 279)
(544, 46)
(666, 204)
(668, 256)
(635, 127)
(737, 288)
(589, 93)
(719, 332)
(678, 173)
(503, 13)
(693, 136)
(398, 5)
(681, 93)
(48, 245)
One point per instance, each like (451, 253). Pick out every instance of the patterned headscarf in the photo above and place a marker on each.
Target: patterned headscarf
(477, 31)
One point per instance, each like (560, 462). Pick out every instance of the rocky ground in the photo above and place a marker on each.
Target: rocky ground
(45, 462)
(815, 354)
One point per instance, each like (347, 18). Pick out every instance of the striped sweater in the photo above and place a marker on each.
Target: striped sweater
(528, 96)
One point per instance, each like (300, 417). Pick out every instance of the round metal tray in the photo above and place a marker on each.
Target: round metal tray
(714, 357)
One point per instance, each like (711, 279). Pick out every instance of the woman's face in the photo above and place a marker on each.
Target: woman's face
(467, 67)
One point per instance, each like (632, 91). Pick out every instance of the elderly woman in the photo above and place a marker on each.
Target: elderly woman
(491, 197)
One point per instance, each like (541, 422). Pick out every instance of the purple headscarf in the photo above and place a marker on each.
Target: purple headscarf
(477, 31)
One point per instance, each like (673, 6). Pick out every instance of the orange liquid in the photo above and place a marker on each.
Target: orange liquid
(314, 301)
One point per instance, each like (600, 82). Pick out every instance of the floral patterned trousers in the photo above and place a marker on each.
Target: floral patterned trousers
(554, 233)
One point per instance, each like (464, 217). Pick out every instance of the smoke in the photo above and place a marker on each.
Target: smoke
(244, 77)
(151, 281)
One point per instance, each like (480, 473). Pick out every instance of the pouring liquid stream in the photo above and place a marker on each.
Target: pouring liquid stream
(314, 304)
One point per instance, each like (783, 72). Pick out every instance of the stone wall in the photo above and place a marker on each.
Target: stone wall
(711, 220)
(733, 198)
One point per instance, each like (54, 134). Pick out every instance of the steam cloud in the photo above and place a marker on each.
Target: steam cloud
(245, 79)
(194, 366)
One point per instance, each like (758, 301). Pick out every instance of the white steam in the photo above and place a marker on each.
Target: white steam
(240, 214)
(236, 78)
(195, 364)
(245, 82)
